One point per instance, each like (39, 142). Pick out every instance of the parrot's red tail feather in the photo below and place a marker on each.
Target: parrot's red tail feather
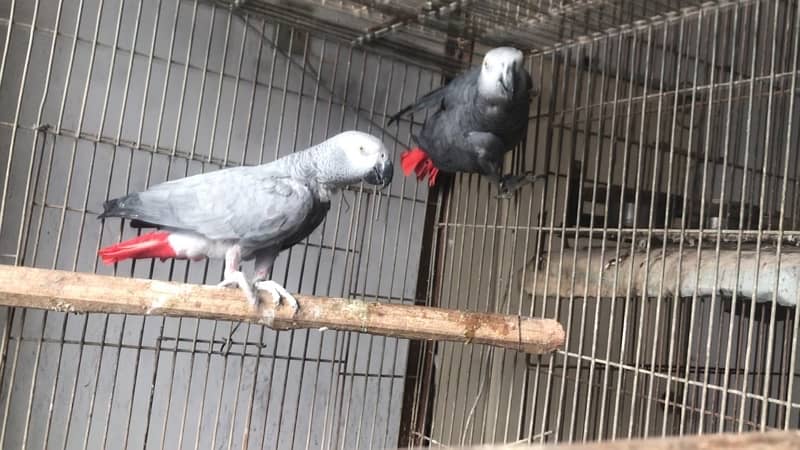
(417, 160)
(410, 160)
(150, 245)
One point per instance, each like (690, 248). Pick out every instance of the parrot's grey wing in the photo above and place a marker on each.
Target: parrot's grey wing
(532, 92)
(489, 149)
(456, 90)
(238, 204)
(429, 100)
(485, 141)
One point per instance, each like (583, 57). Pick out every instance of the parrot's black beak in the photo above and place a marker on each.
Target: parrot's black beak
(507, 79)
(381, 175)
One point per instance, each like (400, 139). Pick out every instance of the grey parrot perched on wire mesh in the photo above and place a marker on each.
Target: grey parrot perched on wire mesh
(480, 115)
(247, 212)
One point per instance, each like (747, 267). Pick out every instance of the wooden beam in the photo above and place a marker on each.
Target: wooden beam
(774, 440)
(85, 293)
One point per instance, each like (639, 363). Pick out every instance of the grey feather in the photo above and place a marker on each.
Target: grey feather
(448, 135)
(252, 205)
(452, 92)
(272, 206)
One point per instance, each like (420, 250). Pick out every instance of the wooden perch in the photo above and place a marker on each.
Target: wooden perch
(774, 440)
(89, 293)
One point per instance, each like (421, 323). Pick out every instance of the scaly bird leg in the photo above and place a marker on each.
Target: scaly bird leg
(264, 261)
(493, 169)
(508, 184)
(234, 277)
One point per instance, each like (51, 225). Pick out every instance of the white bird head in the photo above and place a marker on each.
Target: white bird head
(351, 157)
(501, 73)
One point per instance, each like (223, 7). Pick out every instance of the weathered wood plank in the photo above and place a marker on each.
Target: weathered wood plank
(86, 293)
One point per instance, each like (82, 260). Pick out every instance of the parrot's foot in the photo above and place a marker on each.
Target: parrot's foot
(509, 184)
(237, 279)
(278, 292)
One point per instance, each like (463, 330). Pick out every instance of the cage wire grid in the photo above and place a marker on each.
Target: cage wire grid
(692, 111)
(114, 96)
(699, 111)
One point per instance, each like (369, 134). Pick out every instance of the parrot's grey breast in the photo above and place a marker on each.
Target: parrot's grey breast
(294, 211)
(444, 135)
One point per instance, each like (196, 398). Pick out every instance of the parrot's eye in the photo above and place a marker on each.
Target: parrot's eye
(362, 150)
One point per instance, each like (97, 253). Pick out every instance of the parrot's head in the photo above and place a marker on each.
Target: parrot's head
(502, 72)
(357, 157)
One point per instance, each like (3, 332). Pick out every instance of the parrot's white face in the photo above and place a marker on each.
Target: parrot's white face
(363, 151)
(366, 158)
(501, 72)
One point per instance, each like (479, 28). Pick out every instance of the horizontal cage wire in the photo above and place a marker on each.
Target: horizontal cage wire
(663, 237)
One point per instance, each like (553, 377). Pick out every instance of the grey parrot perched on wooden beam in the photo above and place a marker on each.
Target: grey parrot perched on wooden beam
(247, 212)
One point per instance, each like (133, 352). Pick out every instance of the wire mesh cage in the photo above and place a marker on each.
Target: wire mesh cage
(663, 237)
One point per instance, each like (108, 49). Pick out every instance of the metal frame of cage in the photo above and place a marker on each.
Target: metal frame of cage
(613, 84)
(749, 50)
(336, 368)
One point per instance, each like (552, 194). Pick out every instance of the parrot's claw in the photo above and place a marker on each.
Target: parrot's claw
(504, 193)
(278, 293)
(237, 279)
(509, 184)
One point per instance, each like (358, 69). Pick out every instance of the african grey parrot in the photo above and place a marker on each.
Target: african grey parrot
(247, 212)
(480, 115)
